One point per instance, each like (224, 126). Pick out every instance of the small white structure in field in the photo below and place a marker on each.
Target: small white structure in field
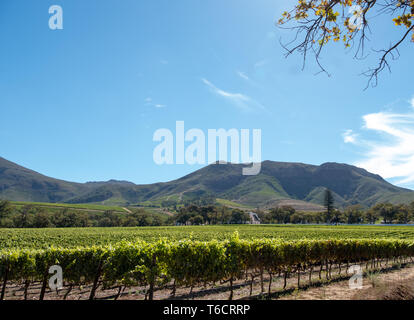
(254, 218)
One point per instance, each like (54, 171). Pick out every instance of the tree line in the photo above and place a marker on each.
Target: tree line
(199, 215)
(386, 213)
(31, 216)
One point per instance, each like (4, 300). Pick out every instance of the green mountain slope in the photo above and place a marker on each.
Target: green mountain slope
(277, 183)
(21, 184)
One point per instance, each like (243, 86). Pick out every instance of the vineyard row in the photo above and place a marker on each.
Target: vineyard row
(190, 263)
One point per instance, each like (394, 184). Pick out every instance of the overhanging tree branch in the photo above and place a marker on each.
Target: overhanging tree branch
(317, 22)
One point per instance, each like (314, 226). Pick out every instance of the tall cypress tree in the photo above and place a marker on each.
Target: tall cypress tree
(329, 205)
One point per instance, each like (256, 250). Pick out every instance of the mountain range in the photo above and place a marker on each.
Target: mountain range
(297, 184)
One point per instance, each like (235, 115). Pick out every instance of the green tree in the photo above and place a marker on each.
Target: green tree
(282, 214)
(42, 220)
(113, 217)
(183, 216)
(225, 215)
(337, 216)
(329, 205)
(196, 220)
(72, 219)
(208, 213)
(372, 216)
(319, 217)
(5, 212)
(24, 219)
(411, 208)
(58, 218)
(145, 220)
(403, 214)
(5, 209)
(298, 218)
(387, 211)
(354, 214)
(239, 217)
(79, 220)
(105, 222)
(130, 221)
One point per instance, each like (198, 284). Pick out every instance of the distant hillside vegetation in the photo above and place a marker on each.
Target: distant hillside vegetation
(279, 183)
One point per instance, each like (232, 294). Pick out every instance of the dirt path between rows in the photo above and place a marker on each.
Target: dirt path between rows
(396, 284)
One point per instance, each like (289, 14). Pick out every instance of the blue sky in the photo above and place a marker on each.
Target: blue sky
(82, 103)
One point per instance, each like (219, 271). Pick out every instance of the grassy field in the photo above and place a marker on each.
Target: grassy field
(85, 207)
(232, 204)
(72, 237)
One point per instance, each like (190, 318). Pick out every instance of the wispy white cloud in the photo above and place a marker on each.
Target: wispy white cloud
(412, 101)
(349, 136)
(149, 102)
(243, 75)
(248, 79)
(240, 100)
(391, 154)
(261, 63)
